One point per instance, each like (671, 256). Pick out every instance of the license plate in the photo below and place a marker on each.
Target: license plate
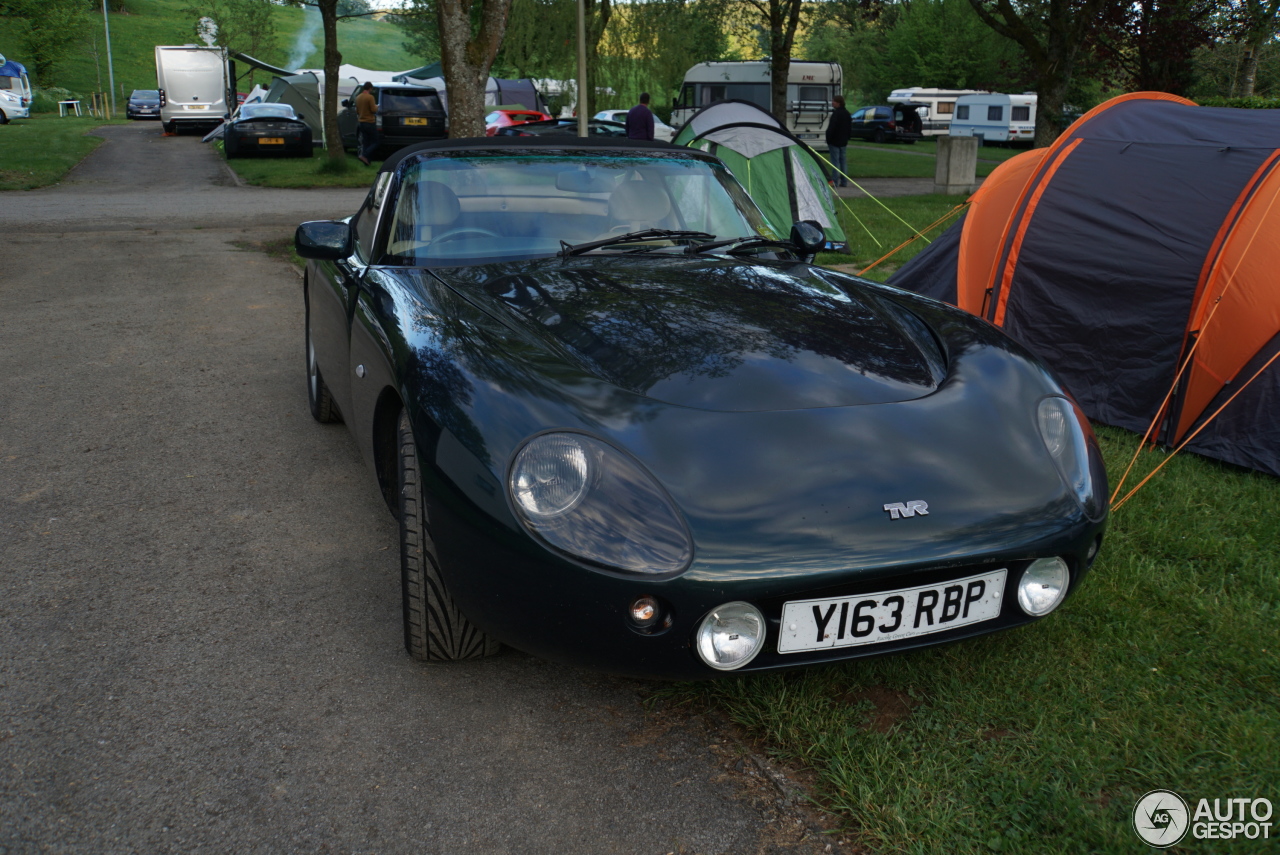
(271, 141)
(890, 615)
(412, 121)
(197, 106)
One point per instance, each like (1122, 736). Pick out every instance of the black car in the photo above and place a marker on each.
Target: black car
(889, 123)
(406, 115)
(564, 127)
(269, 129)
(143, 104)
(621, 424)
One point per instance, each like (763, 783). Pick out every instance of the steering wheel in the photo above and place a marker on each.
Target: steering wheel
(454, 234)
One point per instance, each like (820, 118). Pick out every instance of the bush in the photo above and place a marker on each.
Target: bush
(1254, 103)
(46, 100)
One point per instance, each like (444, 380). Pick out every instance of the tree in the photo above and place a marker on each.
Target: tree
(1256, 22)
(1152, 44)
(329, 18)
(246, 26)
(469, 34)
(50, 30)
(1052, 35)
(776, 21)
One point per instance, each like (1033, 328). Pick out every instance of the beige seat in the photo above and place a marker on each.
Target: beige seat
(426, 209)
(637, 205)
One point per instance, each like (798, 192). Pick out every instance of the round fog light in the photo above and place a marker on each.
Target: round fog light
(644, 612)
(731, 636)
(1043, 586)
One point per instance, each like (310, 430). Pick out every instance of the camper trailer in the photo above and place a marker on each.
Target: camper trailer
(193, 86)
(15, 91)
(938, 106)
(810, 87)
(996, 118)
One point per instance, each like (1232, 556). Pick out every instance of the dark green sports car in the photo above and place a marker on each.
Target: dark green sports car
(624, 425)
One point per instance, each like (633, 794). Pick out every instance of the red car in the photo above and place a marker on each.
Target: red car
(507, 118)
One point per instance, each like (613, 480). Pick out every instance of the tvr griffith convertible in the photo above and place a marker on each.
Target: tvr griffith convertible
(624, 424)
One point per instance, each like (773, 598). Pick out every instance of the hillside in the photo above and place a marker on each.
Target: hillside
(134, 35)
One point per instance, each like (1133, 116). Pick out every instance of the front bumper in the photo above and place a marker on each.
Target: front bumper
(535, 601)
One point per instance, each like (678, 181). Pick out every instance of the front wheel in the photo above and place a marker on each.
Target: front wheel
(879, 137)
(319, 398)
(434, 629)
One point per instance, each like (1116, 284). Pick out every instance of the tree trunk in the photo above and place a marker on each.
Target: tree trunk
(1050, 97)
(467, 59)
(784, 17)
(1249, 71)
(332, 60)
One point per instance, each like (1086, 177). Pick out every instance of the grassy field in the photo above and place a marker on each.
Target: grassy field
(134, 35)
(303, 172)
(38, 151)
(1162, 672)
(874, 227)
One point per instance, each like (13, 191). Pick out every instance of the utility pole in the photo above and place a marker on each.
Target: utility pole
(111, 74)
(582, 68)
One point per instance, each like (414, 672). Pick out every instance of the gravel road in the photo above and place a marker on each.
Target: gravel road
(200, 644)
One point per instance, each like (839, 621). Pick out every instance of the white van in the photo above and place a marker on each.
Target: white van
(15, 91)
(939, 106)
(193, 85)
(810, 87)
(996, 118)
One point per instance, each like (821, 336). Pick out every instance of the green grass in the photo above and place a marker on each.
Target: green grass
(896, 160)
(299, 172)
(1163, 671)
(39, 151)
(367, 43)
(876, 226)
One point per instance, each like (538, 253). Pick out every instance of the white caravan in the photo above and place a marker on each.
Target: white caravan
(810, 87)
(193, 85)
(15, 91)
(996, 118)
(935, 116)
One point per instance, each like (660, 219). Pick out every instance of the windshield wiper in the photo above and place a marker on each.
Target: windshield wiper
(740, 244)
(567, 249)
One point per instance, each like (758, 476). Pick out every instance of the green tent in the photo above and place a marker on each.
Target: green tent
(783, 176)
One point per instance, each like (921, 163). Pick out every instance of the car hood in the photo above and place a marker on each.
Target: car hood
(715, 333)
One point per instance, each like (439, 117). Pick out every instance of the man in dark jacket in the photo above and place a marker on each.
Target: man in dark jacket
(366, 124)
(640, 120)
(839, 129)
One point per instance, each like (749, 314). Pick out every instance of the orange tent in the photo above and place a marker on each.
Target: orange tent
(1138, 256)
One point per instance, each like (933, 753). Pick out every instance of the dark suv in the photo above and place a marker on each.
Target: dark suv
(889, 123)
(406, 115)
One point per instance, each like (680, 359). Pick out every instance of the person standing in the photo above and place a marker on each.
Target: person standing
(839, 130)
(366, 124)
(640, 120)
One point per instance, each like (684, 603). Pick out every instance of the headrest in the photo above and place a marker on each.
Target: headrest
(639, 202)
(434, 203)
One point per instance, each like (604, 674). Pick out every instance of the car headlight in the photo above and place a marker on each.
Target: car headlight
(731, 636)
(1070, 442)
(1043, 586)
(593, 502)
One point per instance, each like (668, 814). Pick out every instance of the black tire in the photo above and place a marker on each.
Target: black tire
(4, 120)
(434, 629)
(168, 127)
(879, 137)
(319, 398)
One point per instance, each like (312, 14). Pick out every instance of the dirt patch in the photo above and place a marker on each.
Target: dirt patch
(280, 248)
(889, 706)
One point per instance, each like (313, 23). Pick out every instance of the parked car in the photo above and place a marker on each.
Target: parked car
(888, 123)
(267, 128)
(143, 104)
(621, 424)
(406, 115)
(563, 127)
(506, 118)
(661, 130)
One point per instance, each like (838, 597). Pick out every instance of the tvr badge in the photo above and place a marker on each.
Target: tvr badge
(910, 509)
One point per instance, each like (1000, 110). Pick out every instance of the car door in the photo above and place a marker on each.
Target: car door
(332, 296)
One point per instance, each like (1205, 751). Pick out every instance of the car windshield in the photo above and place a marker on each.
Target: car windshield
(470, 207)
(409, 101)
(267, 111)
(146, 94)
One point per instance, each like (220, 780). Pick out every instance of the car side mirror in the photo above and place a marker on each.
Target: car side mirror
(323, 240)
(346, 102)
(807, 237)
